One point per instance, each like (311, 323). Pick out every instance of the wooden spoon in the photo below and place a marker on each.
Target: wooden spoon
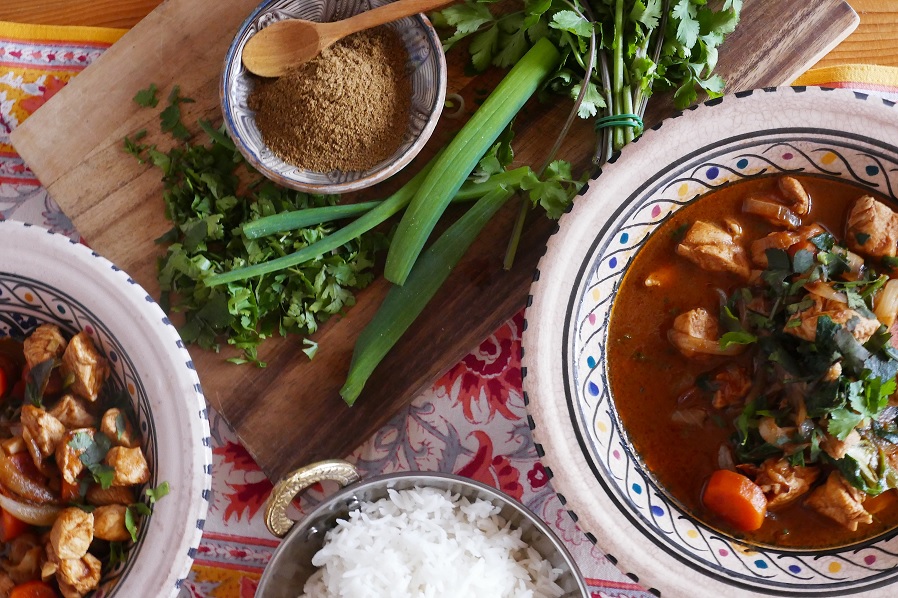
(275, 49)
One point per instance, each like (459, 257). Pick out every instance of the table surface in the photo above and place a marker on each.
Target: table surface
(874, 42)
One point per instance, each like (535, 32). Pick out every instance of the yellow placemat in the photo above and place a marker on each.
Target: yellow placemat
(857, 76)
(36, 61)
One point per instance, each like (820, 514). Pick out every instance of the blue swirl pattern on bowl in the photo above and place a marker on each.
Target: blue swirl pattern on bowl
(426, 67)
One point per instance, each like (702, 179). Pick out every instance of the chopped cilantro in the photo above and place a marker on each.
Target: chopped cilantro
(842, 422)
(824, 241)
(36, 384)
(170, 117)
(737, 338)
(147, 97)
(154, 494)
(861, 238)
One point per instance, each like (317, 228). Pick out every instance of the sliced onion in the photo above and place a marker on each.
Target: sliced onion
(824, 290)
(855, 262)
(691, 344)
(43, 515)
(18, 483)
(772, 433)
(886, 307)
(771, 210)
(725, 458)
(689, 417)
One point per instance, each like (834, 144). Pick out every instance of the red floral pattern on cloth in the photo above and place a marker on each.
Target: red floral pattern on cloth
(472, 421)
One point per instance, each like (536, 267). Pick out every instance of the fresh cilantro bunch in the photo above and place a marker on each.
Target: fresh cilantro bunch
(209, 194)
(640, 45)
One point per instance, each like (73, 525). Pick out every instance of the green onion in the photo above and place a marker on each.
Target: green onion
(357, 227)
(462, 155)
(285, 221)
(403, 304)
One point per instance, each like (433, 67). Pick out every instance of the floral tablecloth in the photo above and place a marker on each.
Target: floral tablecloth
(471, 422)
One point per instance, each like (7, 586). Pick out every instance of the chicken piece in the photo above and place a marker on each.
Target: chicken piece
(861, 327)
(116, 425)
(73, 413)
(86, 366)
(840, 501)
(836, 448)
(780, 240)
(109, 523)
(45, 429)
(6, 584)
(114, 495)
(24, 555)
(129, 464)
(694, 324)
(782, 483)
(72, 533)
(715, 249)
(872, 228)
(77, 577)
(68, 458)
(733, 384)
(794, 192)
(46, 342)
(769, 206)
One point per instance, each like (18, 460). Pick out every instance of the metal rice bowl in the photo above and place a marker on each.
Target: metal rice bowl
(291, 564)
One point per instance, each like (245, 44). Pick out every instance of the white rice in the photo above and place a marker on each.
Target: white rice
(425, 543)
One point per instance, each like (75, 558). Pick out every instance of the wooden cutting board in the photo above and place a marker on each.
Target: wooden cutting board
(290, 413)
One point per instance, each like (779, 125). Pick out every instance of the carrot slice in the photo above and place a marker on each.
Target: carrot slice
(10, 527)
(33, 589)
(736, 499)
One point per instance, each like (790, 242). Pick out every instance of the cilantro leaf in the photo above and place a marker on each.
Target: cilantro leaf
(568, 20)
(154, 494)
(467, 18)
(648, 13)
(736, 338)
(170, 117)
(131, 523)
(38, 377)
(483, 46)
(842, 421)
(147, 97)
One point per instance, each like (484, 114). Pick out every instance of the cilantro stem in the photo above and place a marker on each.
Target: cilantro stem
(518, 228)
(618, 69)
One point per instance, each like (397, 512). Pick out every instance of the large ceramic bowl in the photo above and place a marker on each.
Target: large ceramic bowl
(45, 277)
(828, 133)
(426, 67)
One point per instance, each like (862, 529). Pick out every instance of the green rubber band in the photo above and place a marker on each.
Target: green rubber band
(620, 120)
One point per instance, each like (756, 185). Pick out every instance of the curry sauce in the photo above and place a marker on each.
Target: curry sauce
(654, 384)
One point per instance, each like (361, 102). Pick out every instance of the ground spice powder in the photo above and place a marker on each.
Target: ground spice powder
(346, 109)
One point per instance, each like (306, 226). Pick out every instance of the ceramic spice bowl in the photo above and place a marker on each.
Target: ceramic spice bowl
(426, 69)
